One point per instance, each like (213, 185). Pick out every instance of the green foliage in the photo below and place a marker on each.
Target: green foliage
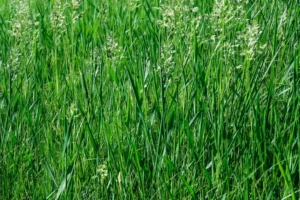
(145, 99)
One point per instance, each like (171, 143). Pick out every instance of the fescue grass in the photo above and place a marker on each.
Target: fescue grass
(149, 99)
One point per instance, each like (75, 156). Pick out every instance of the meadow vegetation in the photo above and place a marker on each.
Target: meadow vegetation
(149, 99)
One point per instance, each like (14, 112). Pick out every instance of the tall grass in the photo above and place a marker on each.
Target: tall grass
(145, 99)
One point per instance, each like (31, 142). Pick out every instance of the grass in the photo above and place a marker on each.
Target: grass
(145, 99)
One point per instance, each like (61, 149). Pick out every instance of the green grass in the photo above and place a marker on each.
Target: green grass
(149, 99)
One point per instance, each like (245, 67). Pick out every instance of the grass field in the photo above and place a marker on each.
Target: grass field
(149, 99)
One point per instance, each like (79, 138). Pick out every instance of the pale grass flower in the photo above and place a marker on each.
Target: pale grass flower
(250, 38)
(76, 4)
(228, 16)
(195, 9)
(102, 171)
